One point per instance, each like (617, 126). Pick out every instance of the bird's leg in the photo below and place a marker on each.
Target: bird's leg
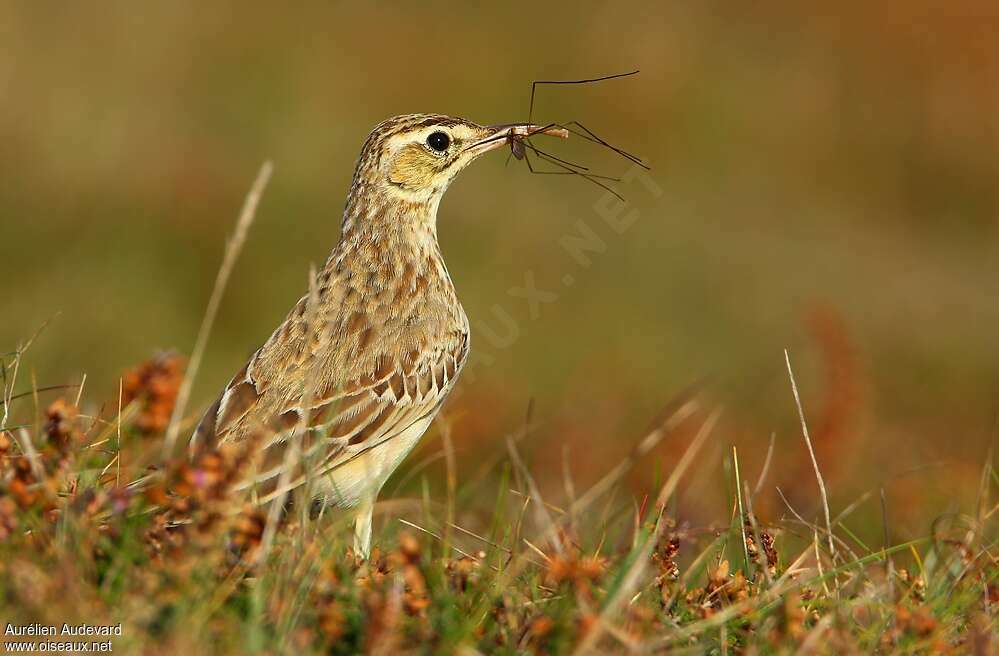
(362, 526)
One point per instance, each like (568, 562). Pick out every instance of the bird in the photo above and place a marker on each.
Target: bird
(365, 359)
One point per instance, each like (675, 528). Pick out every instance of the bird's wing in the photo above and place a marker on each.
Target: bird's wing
(284, 384)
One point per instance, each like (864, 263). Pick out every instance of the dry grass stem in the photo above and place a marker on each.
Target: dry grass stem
(629, 581)
(811, 453)
(232, 250)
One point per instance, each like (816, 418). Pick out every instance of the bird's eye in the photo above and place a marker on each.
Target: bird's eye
(438, 141)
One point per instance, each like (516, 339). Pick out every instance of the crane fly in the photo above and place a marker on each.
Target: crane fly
(521, 146)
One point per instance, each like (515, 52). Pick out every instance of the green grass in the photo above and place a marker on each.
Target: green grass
(182, 566)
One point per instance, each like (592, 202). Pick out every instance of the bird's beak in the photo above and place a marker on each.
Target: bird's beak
(498, 136)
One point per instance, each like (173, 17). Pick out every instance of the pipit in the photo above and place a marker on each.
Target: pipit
(362, 364)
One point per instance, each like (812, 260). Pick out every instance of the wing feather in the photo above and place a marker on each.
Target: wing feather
(360, 375)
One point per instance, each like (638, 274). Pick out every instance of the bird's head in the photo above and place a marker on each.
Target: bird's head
(412, 159)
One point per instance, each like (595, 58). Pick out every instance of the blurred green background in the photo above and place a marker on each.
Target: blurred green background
(828, 185)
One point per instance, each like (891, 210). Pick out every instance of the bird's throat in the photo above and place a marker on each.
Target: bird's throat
(395, 242)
